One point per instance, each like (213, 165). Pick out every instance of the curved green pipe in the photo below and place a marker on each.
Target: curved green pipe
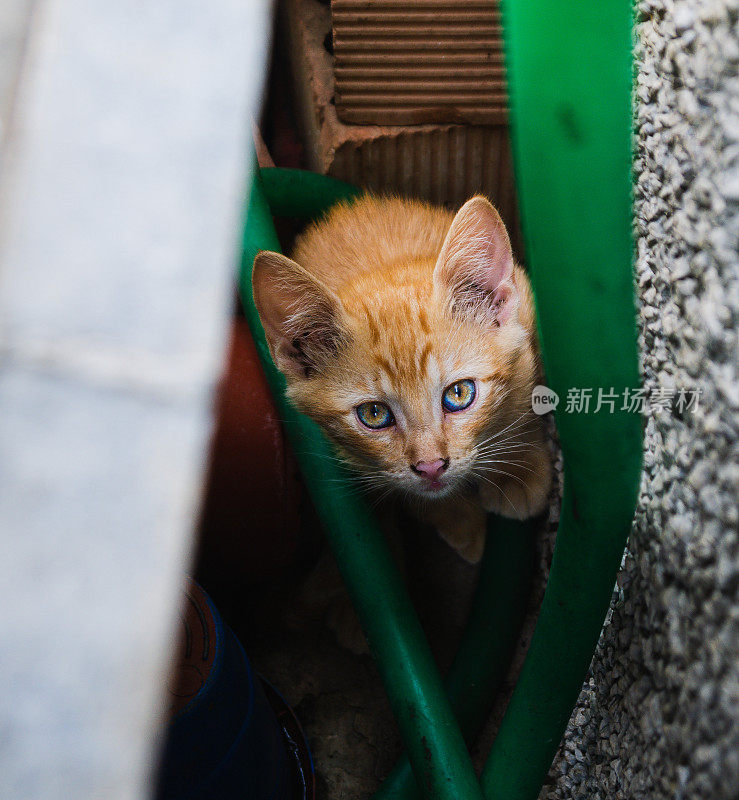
(302, 194)
(441, 763)
(484, 655)
(569, 64)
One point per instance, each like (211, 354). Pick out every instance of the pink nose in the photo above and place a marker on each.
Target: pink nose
(431, 469)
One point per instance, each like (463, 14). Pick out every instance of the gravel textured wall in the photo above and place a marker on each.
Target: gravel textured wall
(658, 717)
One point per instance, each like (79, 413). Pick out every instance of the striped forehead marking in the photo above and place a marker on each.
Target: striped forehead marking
(423, 359)
(404, 370)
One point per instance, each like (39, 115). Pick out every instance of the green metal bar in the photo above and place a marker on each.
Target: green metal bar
(569, 67)
(498, 608)
(441, 763)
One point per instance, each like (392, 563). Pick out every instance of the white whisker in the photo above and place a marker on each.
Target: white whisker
(519, 464)
(515, 421)
(510, 448)
(488, 480)
(508, 475)
(512, 435)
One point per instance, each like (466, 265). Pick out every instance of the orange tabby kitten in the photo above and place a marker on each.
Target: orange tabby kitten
(408, 334)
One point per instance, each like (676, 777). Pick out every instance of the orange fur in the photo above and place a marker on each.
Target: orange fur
(392, 300)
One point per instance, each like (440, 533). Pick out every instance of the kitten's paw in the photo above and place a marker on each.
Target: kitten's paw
(463, 528)
(523, 496)
(342, 619)
(474, 547)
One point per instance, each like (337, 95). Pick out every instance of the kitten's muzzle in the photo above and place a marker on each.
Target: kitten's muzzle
(431, 470)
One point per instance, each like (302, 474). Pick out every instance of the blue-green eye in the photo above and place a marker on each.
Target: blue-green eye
(375, 415)
(459, 395)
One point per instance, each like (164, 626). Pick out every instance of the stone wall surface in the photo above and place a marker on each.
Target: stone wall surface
(657, 717)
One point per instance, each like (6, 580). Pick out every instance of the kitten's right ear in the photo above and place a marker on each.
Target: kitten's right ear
(298, 313)
(475, 266)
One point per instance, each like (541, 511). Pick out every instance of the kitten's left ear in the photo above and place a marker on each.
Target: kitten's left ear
(475, 266)
(299, 314)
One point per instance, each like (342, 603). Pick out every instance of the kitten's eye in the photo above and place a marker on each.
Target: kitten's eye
(375, 415)
(459, 395)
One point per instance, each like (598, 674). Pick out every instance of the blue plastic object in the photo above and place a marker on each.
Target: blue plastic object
(225, 743)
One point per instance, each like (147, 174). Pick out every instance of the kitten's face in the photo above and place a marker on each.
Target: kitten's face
(422, 370)
(415, 392)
